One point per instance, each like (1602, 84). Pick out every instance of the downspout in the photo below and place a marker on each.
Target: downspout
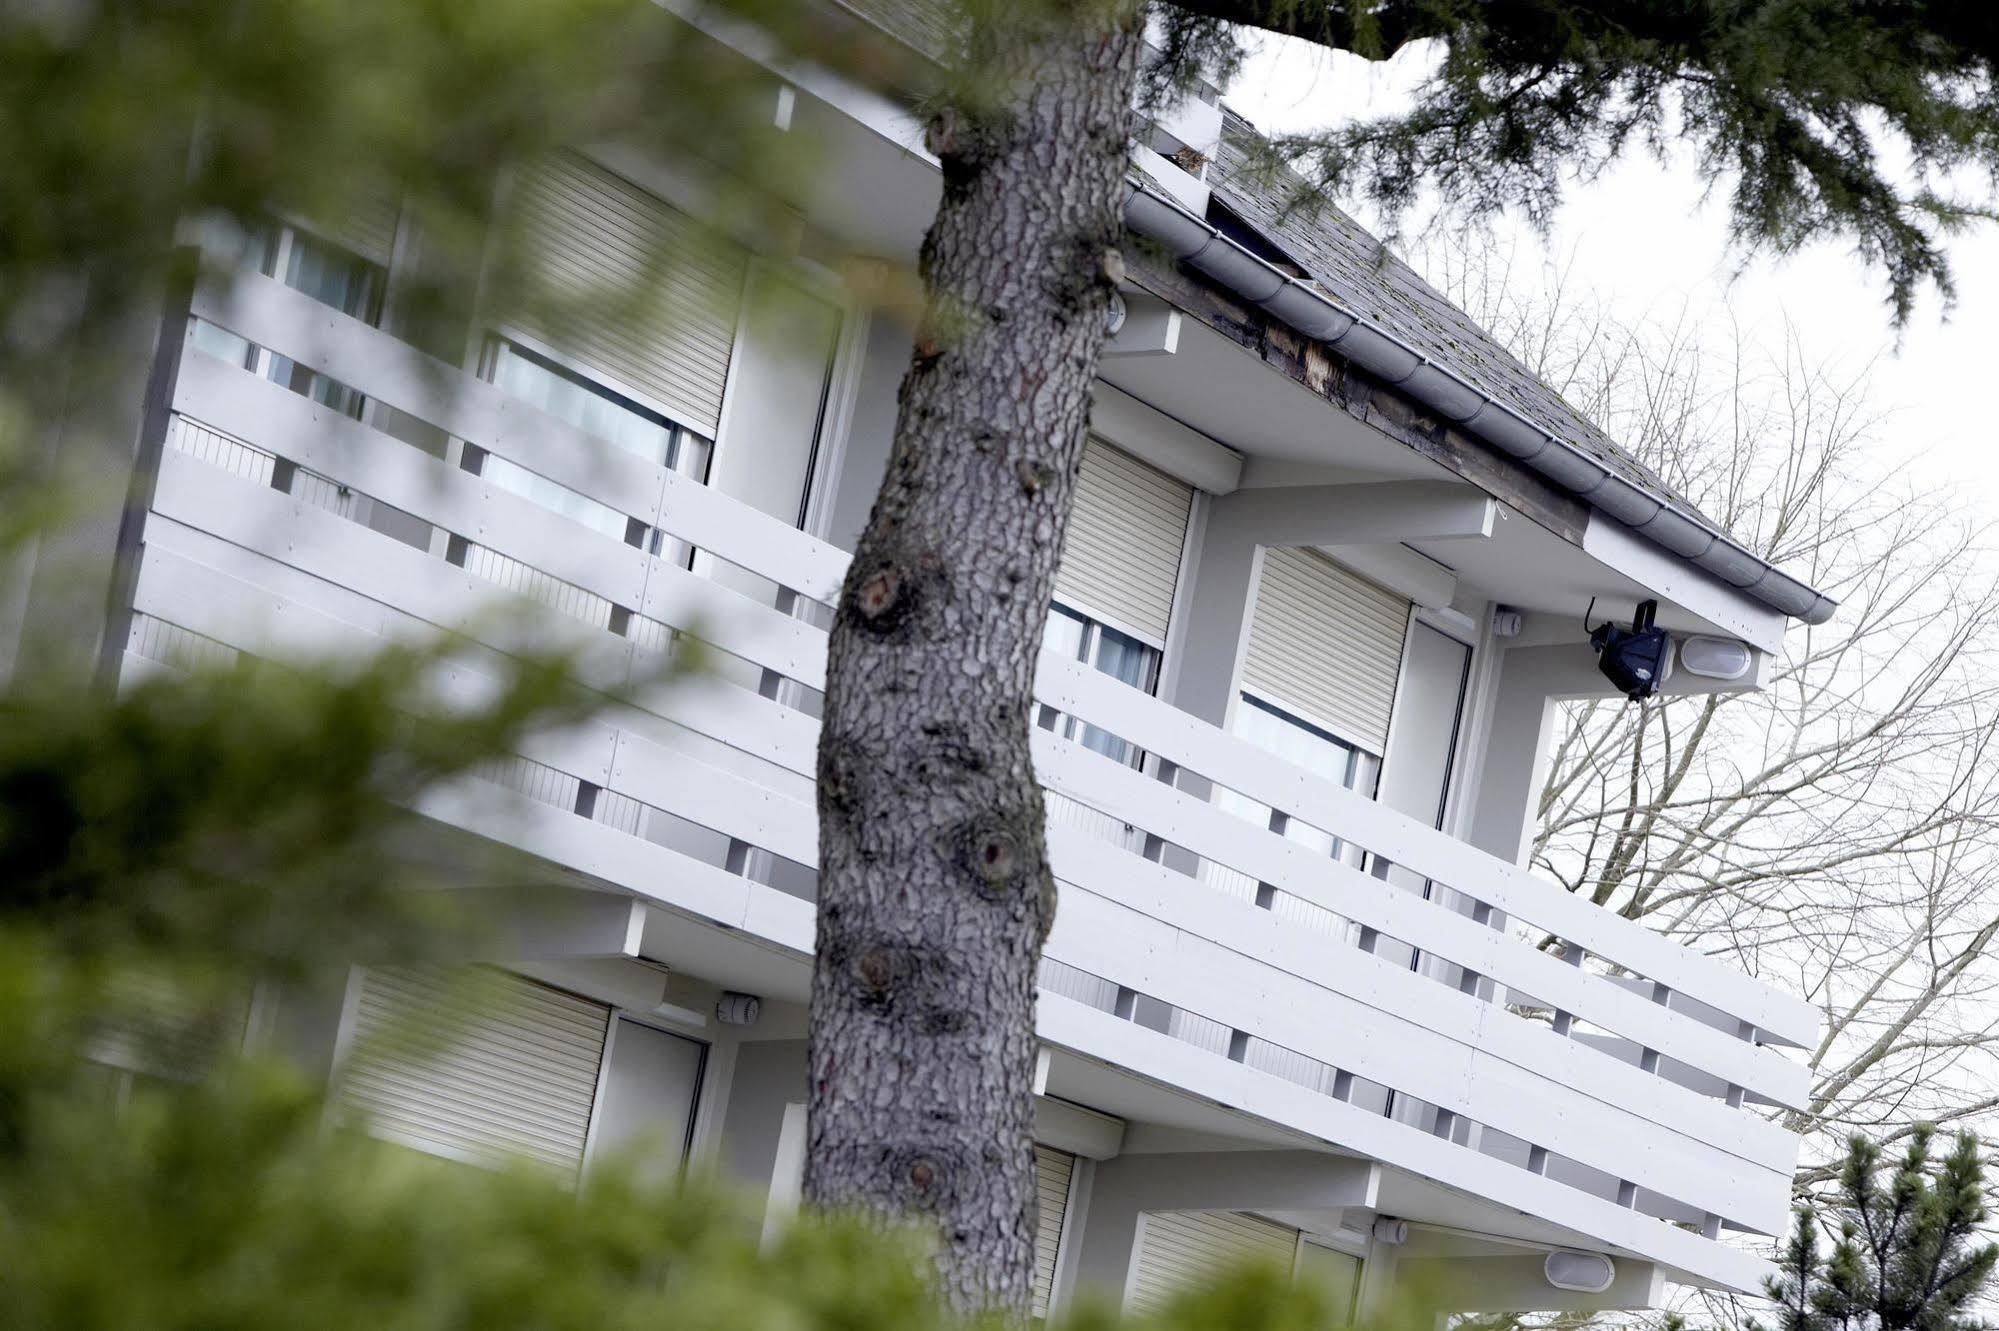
(1302, 306)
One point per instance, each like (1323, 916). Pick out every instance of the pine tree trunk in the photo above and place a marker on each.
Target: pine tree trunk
(934, 888)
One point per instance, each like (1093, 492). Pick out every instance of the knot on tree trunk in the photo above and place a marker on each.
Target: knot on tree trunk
(1033, 475)
(885, 591)
(1000, 851)
(887, 977)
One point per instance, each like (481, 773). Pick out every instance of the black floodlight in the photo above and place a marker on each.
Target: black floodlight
(1634, 659)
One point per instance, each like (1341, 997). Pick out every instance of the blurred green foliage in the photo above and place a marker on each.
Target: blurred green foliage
(123, 118)
(230, 1206)
(207, 832)
(170, 851)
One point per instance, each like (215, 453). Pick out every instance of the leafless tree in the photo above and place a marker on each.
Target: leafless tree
(1836, 831)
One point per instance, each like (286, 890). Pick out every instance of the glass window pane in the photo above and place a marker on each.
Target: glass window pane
(1242, 806)
(222, 344)
(1308, 747)
(1294, 741)
(1064, 633)
(332, 277)
(595, 411)
(1118, 655)
(1125, 658)
(555, 498)
(1102, 741)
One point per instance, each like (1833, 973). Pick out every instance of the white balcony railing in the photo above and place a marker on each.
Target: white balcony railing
(1610, 1085)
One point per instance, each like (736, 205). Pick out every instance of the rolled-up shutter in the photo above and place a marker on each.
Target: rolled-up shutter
(151, 1026)
(1053, 1171)
(1121, 559)
(367, 226)
(515, 1075)
(1328, 643)
(593, 238)
(1178, 1248)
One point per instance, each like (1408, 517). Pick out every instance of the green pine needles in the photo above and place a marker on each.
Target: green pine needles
(1908, 1253)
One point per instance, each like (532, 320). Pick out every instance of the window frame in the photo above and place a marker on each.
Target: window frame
(1356, 759)
(689, 452)
(1075, 729)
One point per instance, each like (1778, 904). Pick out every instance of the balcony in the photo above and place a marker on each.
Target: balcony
(1413, 1001)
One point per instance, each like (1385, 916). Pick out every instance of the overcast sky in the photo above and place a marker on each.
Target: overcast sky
(1641, 239)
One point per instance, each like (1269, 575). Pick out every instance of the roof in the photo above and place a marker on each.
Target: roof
(1370, 280)
(1357, 276)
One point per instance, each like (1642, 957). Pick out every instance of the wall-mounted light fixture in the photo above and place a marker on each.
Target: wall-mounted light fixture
(1582, 1272)
(1114, 318)
(1715, 658)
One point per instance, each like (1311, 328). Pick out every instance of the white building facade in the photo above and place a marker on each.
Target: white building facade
(1301, 997)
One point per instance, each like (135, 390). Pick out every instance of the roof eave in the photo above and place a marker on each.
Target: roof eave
(1309, 310)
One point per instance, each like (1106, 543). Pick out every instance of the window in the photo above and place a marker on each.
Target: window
(1336, 1273)
(1317, 751)
(590, 407)
(322, 271)
(1118, 655)
(601, 413)
(333, 277)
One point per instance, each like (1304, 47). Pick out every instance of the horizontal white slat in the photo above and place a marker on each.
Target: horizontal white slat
(1187, 741)
(1157, 1057)
(654, 873)
(1214, 834)
(343, 449)
(382, 367)
(256, 604)
(269, 523)
(1400, 1051)
(736, 624)
(751, 539)
(744, 809)
(1089, 864)
(238, 614)
(386, 369)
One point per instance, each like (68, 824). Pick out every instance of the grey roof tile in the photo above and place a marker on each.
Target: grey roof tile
(1348, 262)
(1353, 267)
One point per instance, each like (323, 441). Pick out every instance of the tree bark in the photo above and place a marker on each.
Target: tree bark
(934, 887)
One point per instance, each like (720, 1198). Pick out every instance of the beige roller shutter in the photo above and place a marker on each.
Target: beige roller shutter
(592, 236)
(1122, 555)
(368, 226)
(1328, 643)
(515, 1075)
(154, 1027)
(1053, 1171)
(1179, 1248)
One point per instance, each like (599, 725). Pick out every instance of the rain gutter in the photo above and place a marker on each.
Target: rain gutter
(1301, 305)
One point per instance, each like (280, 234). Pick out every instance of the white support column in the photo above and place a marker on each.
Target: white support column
(1374, 1300)
(1513, 764)
(1514, 761)
(787, 1174)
